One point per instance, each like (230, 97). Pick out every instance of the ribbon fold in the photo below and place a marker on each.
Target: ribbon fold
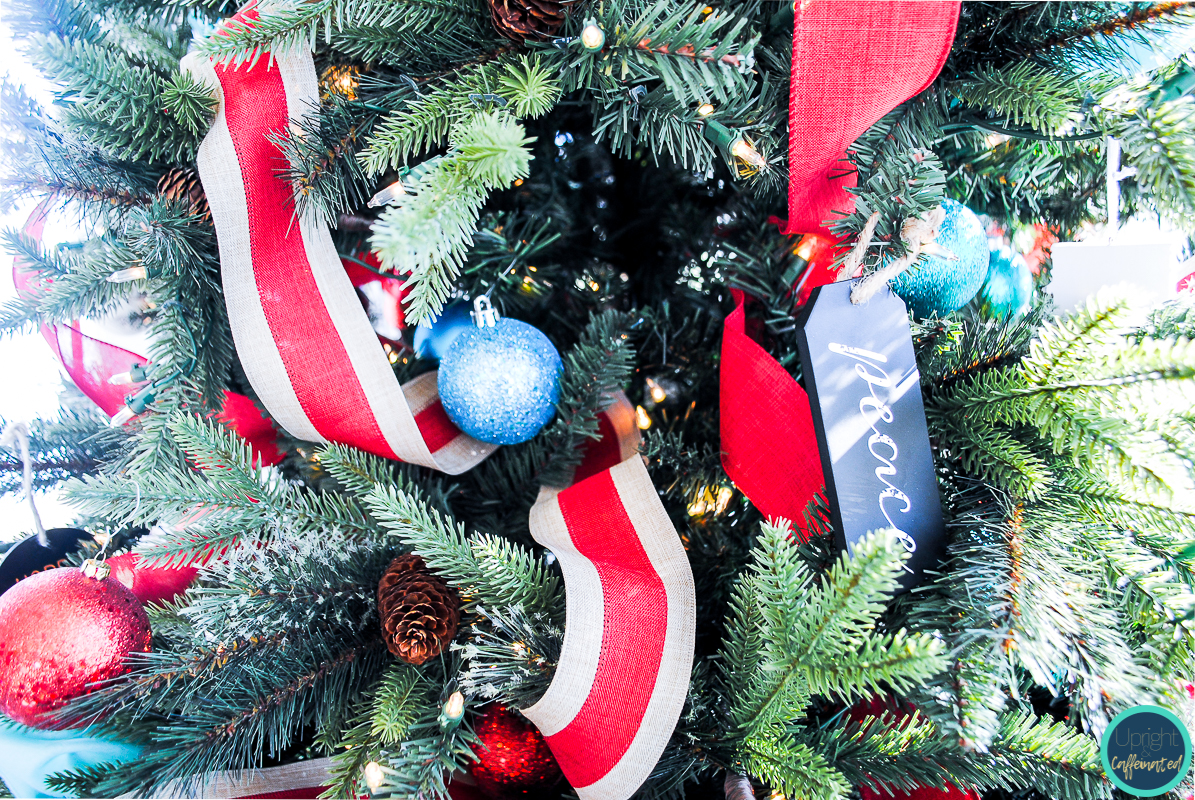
(305, 342)
(631, 611)
(853, 62)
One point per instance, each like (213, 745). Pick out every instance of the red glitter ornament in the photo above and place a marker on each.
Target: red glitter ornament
(59, 632)
(515, 759)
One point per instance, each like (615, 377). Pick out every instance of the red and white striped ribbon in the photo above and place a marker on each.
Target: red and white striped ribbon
(301, 334)
(631, 618)
(309, 351)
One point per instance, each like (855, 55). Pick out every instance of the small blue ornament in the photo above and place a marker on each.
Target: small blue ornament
(432, 339)
(500, 383)
(28, 756)
(939, 285)
(1009, 287)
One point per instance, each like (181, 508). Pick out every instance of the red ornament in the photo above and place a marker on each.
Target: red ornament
(515, 759)
(151, 584)
(875, 708)
(59, 632)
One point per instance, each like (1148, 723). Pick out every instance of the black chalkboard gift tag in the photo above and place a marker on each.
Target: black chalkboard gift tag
(27, 557)
(865, 394)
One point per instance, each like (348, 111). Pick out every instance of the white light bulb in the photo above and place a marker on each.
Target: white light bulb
(121, 417)
(391, 195)
(128, 274)
(592, 37)
(374, 775)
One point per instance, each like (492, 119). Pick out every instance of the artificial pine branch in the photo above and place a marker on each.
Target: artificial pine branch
(972, 604)
(298, 25)
(229, 500)
(1117, 26)
(510, 655)
(791, 767)
(526, 88)
(1028, 93)
(594, 370)
(807, 629)
(73, 444)
(382, 719)
(118, 98)
(1026, 752)
(484, 568)
(427, 236)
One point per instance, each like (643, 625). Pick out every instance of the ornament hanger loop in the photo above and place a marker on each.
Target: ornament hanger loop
(484, 314)
(15, 437)
(1115, 176)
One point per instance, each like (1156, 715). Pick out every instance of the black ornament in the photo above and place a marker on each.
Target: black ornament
(27, 557)
(865, 394)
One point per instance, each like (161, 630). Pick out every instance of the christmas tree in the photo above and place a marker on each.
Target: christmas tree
(607, 172)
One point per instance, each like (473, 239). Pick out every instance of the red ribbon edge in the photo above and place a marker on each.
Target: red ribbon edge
(769, 446)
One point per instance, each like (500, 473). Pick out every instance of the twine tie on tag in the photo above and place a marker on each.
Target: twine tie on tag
(17, 433)
(915, 232)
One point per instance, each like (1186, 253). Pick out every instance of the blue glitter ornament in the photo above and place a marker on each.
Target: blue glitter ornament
(432, 339)
(1009, 286)
(28, 756)
(938, 285)
(500, 383)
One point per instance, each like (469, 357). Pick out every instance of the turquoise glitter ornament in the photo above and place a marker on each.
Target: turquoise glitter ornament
(432, 339)
(28, 756)
(1009, 286)
(500, 380)
(938, 285)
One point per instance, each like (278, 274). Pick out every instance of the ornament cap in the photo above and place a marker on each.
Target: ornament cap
(96, 570)
(484, 314)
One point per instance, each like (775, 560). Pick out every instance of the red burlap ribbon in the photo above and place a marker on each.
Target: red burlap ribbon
(853, 62)
(624, 669)
(769, 448)
(306, 344)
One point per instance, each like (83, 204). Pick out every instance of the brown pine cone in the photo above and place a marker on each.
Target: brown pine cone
(528, 19)
(419, 611)
(182, 183)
